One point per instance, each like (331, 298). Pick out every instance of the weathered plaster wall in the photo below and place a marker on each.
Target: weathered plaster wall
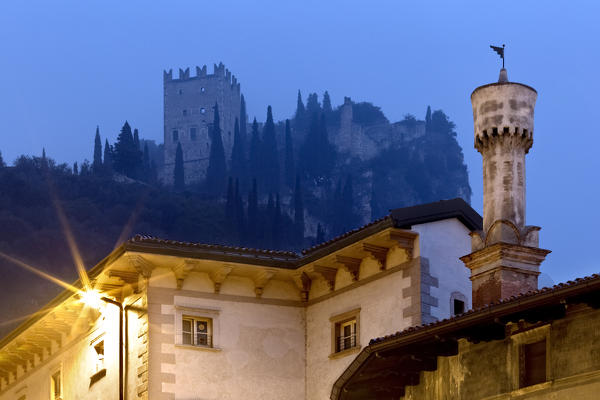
(490, 370)
(261, 350)
(441, 243)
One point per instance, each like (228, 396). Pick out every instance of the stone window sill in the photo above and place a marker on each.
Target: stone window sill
(344, 353)
(97, 376)
(532, 388)
(201, 348)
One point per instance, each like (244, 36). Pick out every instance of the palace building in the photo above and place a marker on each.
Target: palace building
(163, 319)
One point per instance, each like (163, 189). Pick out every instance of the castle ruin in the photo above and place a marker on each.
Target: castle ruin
(188, 115)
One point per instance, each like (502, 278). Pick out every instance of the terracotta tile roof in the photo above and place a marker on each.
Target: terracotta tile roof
(513, 300)
(214, 247)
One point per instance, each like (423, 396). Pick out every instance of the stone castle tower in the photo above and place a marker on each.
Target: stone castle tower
(505, 257)
(188, 115)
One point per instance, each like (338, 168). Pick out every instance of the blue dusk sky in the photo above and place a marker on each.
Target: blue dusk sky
(67, 66)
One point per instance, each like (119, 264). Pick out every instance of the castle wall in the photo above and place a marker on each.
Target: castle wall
(188, 107)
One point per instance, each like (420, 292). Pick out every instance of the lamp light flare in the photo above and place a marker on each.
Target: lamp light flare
(40, 273)
(91, 298)
(83, 276)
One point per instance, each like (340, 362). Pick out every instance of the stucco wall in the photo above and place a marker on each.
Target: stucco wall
(381, 312)
(441, 244)
(261, 346)
(77, 361)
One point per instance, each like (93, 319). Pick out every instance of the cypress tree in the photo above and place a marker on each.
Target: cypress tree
(238, 156)
(44, 160)
(136, 139)
(97, 164)
(253, 214)
(108, 158)
(298, 214)
(243, 121)
(217, 168)
(178, 173)
(312, 104)
(276, 229)
(229, 204)
(125, 152)
(290, 169)
(1, 161)
(146, 164)
(255, 146)
(327, 109)
(75, 168)
(239, 212)
(300, 110)
(269, 155)
(428, 120)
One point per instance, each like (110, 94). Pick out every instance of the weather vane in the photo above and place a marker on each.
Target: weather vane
(500, 51)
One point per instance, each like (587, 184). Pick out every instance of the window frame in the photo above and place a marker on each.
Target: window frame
(194, 334)
(349, 318)
(175, 135)
(518, 341)
(197, 314)
(57, 371)
(460, 297)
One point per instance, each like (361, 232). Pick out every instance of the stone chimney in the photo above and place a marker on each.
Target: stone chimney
(505, 257)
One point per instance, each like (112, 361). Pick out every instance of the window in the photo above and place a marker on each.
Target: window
(532, 363)
(196, 331)
(184, 112)
(203, 111)
(193, 133)
(530, 354)
(180, 91)
(56, 386)
(459, 307)
(197, 328)
(202, 89)
(345, 330)
(458, 303)
(175, 135)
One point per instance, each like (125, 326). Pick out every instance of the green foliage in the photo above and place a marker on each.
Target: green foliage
(317, 154)
(97, 163)
(178, 172)
(216, 172)
(127, 156)
(269, 171)
(367, 114)
(290, 165)
(238, 153)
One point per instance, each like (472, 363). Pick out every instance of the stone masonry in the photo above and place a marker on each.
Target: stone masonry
(188, 115)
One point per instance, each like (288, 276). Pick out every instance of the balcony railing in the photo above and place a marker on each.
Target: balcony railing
(345, 342)
(200, 339)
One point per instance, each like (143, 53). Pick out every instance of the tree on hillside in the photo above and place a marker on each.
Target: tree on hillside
(317, 154)
(108, 158)
(238, 153)
(2, 161)
(312, 104)
(146, 164)
(428, 120)
(178, 173)
(269, 155)
(327, 109)
(240, 222)
(230, 203)
(97, 163)
(298, 214)
(125, 152)
(217, 168)
(136, 139)
(300, 110)
(290, 168)
(243, 120)
(255, 146)
(252, 227)
(75, 168)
